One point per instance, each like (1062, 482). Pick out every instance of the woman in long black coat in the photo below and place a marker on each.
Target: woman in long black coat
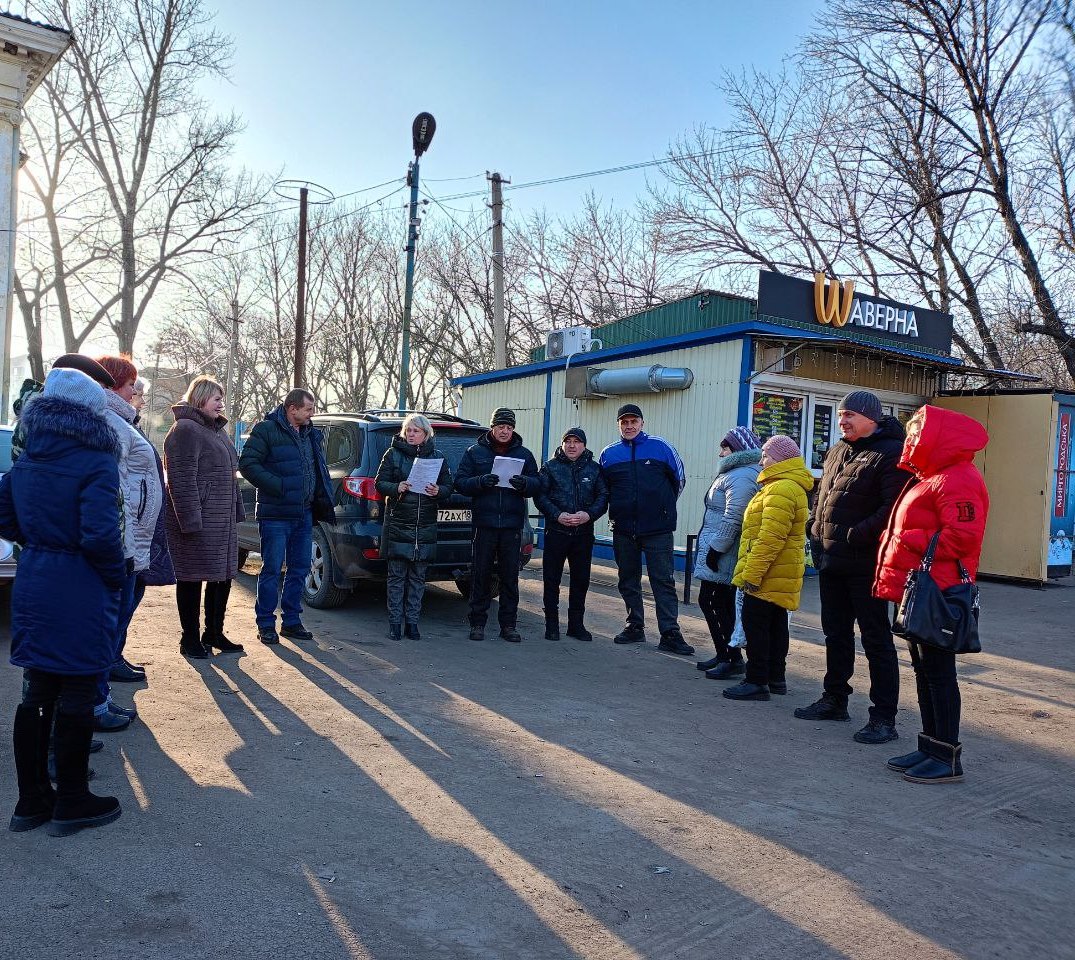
(61, 502)
(204, 506)
(409, 540)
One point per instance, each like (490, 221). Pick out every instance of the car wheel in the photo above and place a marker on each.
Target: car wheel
(244, 555)
(462, 584)
(319, 591)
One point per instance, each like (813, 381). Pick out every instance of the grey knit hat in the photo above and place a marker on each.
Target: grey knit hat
(75, 386)
(864, 402)
(502, 415)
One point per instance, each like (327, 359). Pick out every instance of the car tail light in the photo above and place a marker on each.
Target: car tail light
(528, 548)
(362, 488)
(371, 553)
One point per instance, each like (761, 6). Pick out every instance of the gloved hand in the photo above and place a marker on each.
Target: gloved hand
(518, 482)
(489, 480)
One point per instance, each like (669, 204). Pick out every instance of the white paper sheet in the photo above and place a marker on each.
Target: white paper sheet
(506, 468)
(424, 472)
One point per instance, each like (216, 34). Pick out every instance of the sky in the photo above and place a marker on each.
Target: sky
(533, 90)
(328, 90)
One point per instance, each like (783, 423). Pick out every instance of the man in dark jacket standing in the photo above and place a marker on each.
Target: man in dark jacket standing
(859, 484)
(645, 477)
(284, 460)
(498, 514)
(573, 495)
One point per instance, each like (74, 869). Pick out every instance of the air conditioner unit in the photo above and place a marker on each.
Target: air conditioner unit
(561, 343)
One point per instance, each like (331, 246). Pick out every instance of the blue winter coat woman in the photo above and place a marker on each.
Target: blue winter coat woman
(725, 503)
(61, 502)
(718, 545)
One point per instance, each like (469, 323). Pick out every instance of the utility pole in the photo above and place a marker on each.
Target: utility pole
(421, 135)
(500, 330)
(233, 356)
(300, 295)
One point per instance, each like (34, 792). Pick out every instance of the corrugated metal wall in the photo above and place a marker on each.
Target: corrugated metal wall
(693, 420)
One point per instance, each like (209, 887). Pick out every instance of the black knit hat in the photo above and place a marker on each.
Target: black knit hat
(629, 410)
(502, 415)
(863, 402)
(576, 432)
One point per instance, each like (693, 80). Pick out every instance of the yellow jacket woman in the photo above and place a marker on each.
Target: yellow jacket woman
(772, 561)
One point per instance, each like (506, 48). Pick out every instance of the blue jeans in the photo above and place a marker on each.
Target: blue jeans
(660, 565)
(290, 542)
(130, 596)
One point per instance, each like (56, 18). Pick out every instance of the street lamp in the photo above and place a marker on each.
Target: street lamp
(422, 131)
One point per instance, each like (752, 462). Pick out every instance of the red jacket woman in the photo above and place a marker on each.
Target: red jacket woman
(947, 495)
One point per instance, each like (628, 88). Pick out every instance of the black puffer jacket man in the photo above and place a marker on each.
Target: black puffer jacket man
(573, 495)
(859, 484)
(499, 514)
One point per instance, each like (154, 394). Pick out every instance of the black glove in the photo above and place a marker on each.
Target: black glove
(712, 560)
(489, 480)
(518, 482)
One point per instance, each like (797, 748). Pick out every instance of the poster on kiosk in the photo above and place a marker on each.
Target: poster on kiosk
(1062, 515)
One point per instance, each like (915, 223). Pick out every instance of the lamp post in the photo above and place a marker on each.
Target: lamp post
(422, 131)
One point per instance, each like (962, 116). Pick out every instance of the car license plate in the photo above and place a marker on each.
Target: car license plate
(453, 516)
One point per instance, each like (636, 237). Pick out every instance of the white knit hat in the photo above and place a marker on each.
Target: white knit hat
(75, 386)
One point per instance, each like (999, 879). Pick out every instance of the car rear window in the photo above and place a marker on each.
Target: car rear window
(452, 442)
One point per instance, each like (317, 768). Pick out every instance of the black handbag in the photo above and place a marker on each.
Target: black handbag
(946, 619)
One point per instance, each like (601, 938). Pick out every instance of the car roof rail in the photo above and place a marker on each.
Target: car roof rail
(378, 412)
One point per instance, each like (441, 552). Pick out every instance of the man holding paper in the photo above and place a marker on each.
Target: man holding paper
(498, 473)
(414, 479)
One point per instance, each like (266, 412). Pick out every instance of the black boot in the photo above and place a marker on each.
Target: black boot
(942, 763)
(31, 741)
(577, 631)
(411, 632)
(395, 631)
(708, 664)
(908, 760)
(191, 647)
(216, 607)
(76, 808)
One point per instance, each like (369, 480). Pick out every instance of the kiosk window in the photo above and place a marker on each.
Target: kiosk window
(777, 413)
(821, 434)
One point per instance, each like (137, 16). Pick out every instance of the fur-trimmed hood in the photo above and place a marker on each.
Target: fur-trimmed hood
(739, 458)
(48, 420)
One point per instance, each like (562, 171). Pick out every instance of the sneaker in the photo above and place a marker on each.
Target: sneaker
(268, 636)
(827, 708)
(296, 631)
(114, 707)
(746, 691)
(630, 635)
(673, 642)
(513, 636)
(726, 669)
(477, 633)
(877, 731)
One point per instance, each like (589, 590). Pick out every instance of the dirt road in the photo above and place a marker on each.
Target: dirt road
(358, 798)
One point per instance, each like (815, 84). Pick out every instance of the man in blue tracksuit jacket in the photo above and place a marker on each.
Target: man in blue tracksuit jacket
(645, 477)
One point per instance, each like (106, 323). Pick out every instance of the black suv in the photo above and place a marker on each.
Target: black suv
(348, 551)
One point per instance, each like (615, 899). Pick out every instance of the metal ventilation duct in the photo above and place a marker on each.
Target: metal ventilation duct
(655, 379)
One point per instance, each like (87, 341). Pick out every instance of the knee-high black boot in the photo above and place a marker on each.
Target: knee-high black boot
(216, 608)
(33, 724)
(76, 808)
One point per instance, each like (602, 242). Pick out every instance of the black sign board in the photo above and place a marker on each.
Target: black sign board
(789, 298)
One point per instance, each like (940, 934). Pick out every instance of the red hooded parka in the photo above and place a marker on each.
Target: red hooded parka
(949, 495)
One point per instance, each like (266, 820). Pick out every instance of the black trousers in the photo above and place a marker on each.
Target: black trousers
(188, 597)
(938, 691)
(495, 549)
(766, 627)
(845, 599)
(717, 603)
(72, 695)
(577, 551)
